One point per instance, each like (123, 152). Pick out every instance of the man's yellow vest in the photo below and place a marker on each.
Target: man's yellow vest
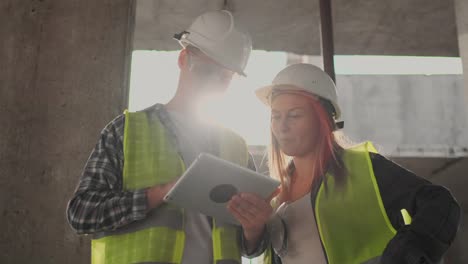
(151, 158)
(352, 222)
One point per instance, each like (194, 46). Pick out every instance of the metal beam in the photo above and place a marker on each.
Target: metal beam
(326, 34)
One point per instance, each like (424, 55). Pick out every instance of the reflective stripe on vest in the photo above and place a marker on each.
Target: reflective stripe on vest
(352, 221)
(165, 216)
(151, 158)
(228, 251)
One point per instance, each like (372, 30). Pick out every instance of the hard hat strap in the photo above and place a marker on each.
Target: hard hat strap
(179, 36)
(332, 113)
(339, 125)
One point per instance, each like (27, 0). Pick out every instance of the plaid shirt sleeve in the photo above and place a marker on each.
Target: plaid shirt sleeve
(99, 202)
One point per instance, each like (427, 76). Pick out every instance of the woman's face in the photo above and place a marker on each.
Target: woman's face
(294, 124)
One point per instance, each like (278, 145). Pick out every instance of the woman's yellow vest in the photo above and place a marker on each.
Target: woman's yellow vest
(151, 158)
(353, 225)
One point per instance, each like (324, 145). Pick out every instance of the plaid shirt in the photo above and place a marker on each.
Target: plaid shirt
(100, 203)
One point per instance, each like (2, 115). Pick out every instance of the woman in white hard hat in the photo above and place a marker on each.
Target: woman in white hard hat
(337, 205)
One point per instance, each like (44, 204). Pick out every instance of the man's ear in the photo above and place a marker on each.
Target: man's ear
(183, 59)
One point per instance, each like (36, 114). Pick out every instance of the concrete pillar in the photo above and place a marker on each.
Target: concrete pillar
(64, 74)
(461, 13)
(458, 252)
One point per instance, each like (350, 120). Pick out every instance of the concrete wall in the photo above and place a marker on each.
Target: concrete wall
(398, 27)
(461, 10)
(406, 115)
(63, 77)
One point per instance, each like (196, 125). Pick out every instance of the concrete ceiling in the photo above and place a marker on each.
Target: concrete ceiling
(379, 27)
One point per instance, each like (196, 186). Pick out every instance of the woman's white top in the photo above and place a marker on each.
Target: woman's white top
(304, 245)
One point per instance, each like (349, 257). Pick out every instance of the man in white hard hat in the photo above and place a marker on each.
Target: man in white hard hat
(119, 199)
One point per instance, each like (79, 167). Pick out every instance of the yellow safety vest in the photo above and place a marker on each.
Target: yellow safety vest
(352, 222)
(151, 158)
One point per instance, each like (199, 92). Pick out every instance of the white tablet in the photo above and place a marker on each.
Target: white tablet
(210, 182)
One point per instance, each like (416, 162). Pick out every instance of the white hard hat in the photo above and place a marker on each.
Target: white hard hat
(215, 34)
(302, 77)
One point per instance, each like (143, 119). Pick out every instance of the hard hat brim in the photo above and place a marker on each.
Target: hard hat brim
(264, 94)
(185, 40)
(239, 71)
